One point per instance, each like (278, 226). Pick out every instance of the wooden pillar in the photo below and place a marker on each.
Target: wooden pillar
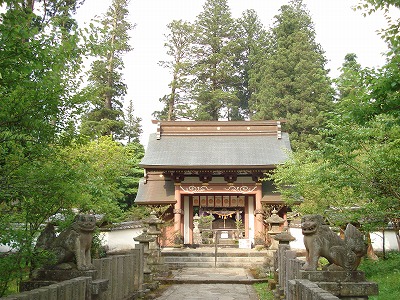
(258, 213)
(178, 211)
(246, 218)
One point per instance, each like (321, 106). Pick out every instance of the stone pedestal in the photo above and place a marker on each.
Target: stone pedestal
(343, 284)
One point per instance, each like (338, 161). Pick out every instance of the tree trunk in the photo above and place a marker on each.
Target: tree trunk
(370, 250)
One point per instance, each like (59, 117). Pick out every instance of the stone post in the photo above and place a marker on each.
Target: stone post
(153, 221)
(155, 260)
(144, 239)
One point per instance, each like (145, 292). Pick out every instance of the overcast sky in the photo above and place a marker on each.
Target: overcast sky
(340, 30)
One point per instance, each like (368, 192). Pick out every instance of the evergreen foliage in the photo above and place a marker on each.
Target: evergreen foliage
(238, 70)
(106, 91)
(213, 68)
(178, 43)
(354, 174)
(253, 45)
(294, 83)
(132, 128)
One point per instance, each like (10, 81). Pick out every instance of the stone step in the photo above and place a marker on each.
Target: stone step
(180, 265)
(212, 259)
(205, 258)
(220, 253)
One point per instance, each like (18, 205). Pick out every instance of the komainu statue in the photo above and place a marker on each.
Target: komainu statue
(321, 241)
(72, 243)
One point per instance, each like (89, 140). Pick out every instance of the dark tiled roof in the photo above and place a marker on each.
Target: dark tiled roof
(216, 151)
(270, 195)
(155, 192)
(123, 226)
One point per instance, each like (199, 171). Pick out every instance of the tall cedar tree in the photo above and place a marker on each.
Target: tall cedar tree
(251, 50)
(178, 44)
(213, 68)
(106, 87)
(295, 85)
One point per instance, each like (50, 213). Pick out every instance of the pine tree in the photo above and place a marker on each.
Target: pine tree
(106, 87)
(295, 85)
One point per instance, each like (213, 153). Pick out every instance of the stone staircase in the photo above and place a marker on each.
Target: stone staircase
(204, 257)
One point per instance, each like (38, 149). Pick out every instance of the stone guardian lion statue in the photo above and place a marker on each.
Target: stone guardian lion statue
(321, 241)
(72, 243)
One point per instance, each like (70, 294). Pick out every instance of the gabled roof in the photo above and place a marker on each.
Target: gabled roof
(213, 145)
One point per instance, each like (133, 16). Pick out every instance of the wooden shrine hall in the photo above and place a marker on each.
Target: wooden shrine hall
(213, 168)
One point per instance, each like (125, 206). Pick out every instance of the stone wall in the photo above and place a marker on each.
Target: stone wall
(120, 236)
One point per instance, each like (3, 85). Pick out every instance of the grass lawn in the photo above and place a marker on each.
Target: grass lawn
(385, 272)
(263, 292)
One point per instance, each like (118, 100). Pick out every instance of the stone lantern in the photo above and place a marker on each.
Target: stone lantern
(274, 222)
(284, 237)
(145, 239)
(153, 221)
(197, 240)
(155, 261)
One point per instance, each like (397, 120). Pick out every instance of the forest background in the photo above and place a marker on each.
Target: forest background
(68, 142)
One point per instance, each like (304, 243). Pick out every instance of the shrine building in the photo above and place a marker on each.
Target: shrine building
(214, 168)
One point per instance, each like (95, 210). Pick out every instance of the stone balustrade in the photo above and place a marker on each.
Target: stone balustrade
(115, 277)
(297, 284)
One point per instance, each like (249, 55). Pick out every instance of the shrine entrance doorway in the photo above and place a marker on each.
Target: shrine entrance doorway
(228, 223)
(232, 215)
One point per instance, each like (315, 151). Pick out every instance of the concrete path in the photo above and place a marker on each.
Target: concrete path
(210, 283)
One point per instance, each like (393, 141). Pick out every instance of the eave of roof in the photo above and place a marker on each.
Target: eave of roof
(155, 192)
